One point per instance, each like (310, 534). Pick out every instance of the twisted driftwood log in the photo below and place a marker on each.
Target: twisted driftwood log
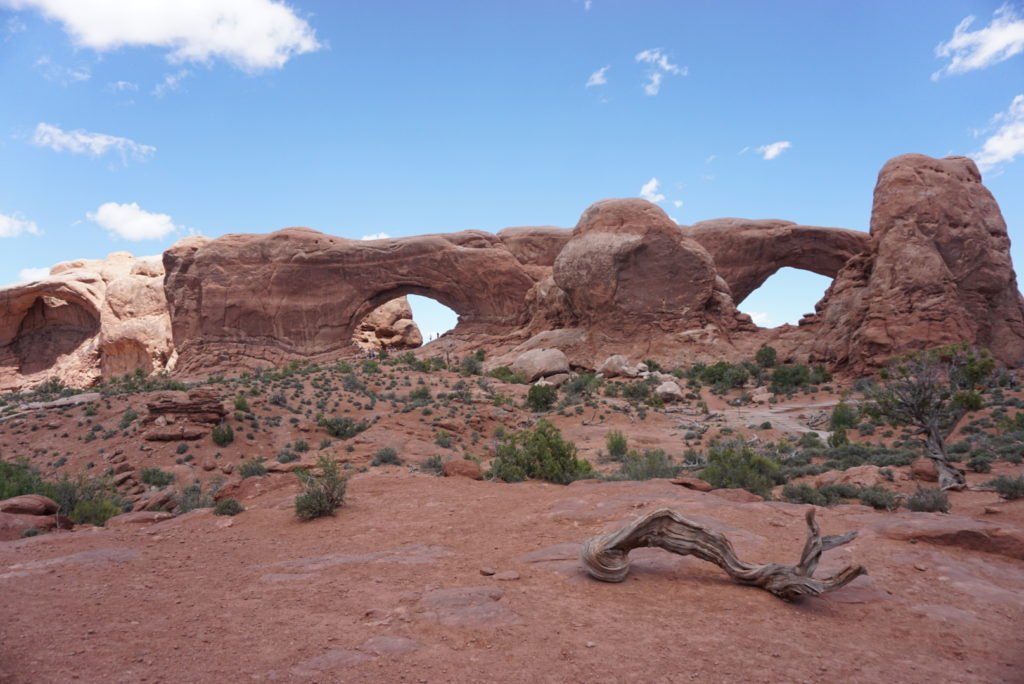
(606, 557)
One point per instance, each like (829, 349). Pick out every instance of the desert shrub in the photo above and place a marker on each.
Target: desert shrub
(810, 440)
(241, 404)
(788, 377)
(19, 478)
(980, 463)
(803, 493)
(223, 435)
(843, 417)
(94, 511)
(616, 444)
(734, 464)
(386, 456)
(471, 364)
(443, 439)
(541, 397)
(650, 465)
(156, 477)
(287, 457)
(181, 448)
(539, 454)
(301, 446)
(928, 500)
(879, 498)
(420, 396)
(506, 374)
(838, 439)
(252, 468)
(582, 386)
(343, 427)
(766, 425)
(723, 376)
(30, 532)
(433, 464)
(193, 497)
(228, 507)
(323, 493)
(1009, 487)
(766, 357)
(127, 418)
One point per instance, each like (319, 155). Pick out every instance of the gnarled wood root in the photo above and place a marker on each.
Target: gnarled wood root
(606, 557)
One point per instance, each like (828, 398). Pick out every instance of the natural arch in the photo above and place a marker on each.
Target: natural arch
(785, 297)
(51, 328)
(748, 252)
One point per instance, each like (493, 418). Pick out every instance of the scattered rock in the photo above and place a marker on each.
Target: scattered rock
(539, 363)
(694, 483)
(669, 392)
(138, 518)
(617, 366)
(461, 467)
(507, 576)
(924, 469)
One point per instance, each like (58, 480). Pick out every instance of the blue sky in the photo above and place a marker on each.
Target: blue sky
(125, 126)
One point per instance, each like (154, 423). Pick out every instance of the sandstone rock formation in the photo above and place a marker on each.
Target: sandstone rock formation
(88, 319)
(938, 271)
(541, 363)
(316, 289)
(389, 326)
(935, 268)
(175, 415)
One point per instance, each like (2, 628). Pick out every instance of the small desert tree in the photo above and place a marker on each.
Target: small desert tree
(932, 391)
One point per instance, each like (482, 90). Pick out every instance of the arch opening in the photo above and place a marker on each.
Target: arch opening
(405, 321)
(785, 297)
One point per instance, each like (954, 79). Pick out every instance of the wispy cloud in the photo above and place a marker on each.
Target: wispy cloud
(252, 35)
(1007, 140)
(14, 225)
(660, 66)
(12, 27)
(970, 50)
(587, 4)
(28, 275)
(649, 191)
(170, 83)
(772, 150)
(598, 78)
(375, 236)
(58, 73)
(87, 142)
(131, 222)
(760, 318)
(678, 204)
(122, 86)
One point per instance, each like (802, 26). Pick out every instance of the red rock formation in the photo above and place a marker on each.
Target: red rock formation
(314, 289)
(88, 319)
(938, 271)
(389, 326)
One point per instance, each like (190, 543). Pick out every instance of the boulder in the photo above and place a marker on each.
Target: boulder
(694, 483)
(668, 392)
(617, 366)
(462, 468)
(389, 326)
(924, 469)
(539, 363)
(29, 504)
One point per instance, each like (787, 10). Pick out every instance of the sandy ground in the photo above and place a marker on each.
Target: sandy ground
(391, 590)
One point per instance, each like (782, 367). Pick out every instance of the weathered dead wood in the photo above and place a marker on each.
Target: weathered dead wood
(606, 557)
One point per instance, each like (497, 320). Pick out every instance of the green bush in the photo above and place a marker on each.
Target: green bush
(879, 498)
(539, 454)
(838, 438)
(94, 512)
(766, 357)
(734, 464)
(19, 478)
(433, 464)
(228, 507)
(617, 445)
(156, 477)
(301, 446)
(252, 468)
(1009, 487)
(241, 404)
(541, 397)
(804, 494)
(193, 497)
(980, 463)
(323, 493)
(127, 418)
(650, 465)
(343, 427)
(223, 435)
(506, 374)
(928, 500)
(386, 456)
(843, 417)
(443, 439)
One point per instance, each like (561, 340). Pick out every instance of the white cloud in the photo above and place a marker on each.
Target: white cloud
(711, 158)
(971, 50)
(773, 150)
(170, 83)
(587, 4)
(12, 27)
(375, 236)
(760, 318)
(249, 34)
(28, 275)
(131, 222)
(678, 204)
(660, 66)
(60, 73)
(1007, 142)
(13, 226)
(598, 78)
(86, 142)
(649, 191)
(121, 86)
